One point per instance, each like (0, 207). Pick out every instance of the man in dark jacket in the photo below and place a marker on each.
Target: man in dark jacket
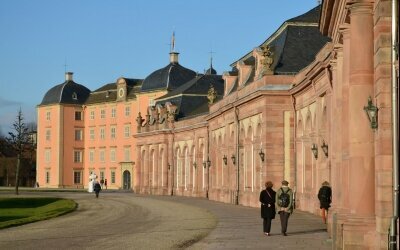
(97, 189)
(267, 199)
(284, 205)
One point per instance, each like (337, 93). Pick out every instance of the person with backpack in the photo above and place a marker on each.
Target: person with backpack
(97, 189)
(284, 205)
(325, 199)
(267, 199)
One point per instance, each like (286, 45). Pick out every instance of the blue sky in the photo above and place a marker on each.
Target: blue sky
(101, 40)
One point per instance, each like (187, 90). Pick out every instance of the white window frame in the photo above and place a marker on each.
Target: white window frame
(102, 155)
(78, 156)
(127, 154)
(91, 133)
(48, 134)
(113, 131)
(78, 135)
(47, 155)
(127, 111)
(91, 115)
(102, 133)
(91, 156)
(112, 154)
(127, 131)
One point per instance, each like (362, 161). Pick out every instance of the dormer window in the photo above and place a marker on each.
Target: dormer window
(74, 96)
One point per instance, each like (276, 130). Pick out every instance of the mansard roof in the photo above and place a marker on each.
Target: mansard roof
(191, 98)
(108, 92)
(68, 92)
(168, 78)
(294, 44)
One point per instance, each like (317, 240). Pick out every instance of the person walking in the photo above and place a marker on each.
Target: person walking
(267, 199)
(284, 205)
(105, 183)
(101, 183)
(325, 199)
(97, 189)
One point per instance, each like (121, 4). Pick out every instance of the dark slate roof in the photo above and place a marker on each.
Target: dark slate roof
(63, 93)
(294, 44)
(108, 92)
(211, 71)
(296, 47)
(169, 78)
(191, 97)
(312, 16)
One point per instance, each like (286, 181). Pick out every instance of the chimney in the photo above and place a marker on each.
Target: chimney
(68, 76)
(173, 57)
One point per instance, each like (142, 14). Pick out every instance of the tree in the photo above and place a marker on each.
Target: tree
(20, 141)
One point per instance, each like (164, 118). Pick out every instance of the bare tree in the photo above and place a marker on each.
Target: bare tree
(20, 140)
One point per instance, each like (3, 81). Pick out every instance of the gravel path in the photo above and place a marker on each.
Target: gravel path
(114, 221)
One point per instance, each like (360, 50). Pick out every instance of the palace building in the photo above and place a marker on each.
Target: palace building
(294, 107)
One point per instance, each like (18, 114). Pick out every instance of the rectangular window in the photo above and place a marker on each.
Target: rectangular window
(48, 135)
(127, 111)
(127, 154)
(113, 132)
(102, 158)
(77, 156)
(47, 155)
(48, 116)
(78, 135)
(91, 134)
(47, 177)
(91, 114)
(102, 113)
(101, 175)
(77, 177)
(127, 131)
(112, 177)
(113, 112)
(102, 133)
(78, 116)
(112, 155)
(91, 156)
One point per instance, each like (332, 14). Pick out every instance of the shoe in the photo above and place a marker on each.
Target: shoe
(266, 234)
(284, 234)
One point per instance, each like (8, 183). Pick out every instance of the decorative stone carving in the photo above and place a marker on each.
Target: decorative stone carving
(211, 95)
(153, 115)
(162, 113)
(268, 60)
(139, 121)
(171, 111)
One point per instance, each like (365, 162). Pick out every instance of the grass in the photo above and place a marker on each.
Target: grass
(19, 211)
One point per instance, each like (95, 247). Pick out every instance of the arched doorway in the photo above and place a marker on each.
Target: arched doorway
(126, 180)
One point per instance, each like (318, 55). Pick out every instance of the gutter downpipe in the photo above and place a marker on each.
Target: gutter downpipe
(237, 155)
(207, 162)
(173, 159)
(294, 151)
(393, 237)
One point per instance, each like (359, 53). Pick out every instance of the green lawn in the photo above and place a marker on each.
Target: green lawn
(18, 211)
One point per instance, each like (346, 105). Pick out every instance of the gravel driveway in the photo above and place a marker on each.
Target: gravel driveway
(114, 221)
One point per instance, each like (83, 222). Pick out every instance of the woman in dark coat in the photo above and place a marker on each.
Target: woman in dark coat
(267, 199)
(325, 199)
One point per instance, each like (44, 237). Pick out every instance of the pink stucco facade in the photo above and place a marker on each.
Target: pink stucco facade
(217, 155)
